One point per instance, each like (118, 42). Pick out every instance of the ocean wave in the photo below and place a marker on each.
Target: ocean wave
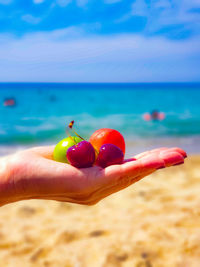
(130, 125)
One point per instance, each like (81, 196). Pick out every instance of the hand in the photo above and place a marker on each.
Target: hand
(33, 174)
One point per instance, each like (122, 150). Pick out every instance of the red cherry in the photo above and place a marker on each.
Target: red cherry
(81, 155)
(109, 154)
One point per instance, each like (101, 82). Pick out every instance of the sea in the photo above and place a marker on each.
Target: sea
(39, 114)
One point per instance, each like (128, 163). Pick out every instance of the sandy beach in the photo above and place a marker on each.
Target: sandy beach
(154, 223)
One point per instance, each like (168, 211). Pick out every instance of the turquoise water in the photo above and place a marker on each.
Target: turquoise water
(43, 110)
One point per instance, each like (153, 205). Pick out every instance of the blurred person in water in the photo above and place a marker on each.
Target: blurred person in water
(155, 115)
(9, 102)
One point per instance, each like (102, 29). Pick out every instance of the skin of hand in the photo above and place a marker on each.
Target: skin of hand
(33, 174)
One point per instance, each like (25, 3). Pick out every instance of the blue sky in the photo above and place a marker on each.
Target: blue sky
(100, 41)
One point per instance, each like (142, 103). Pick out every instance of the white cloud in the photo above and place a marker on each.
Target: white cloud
(162, 13)
(52, 57)
(31, 19)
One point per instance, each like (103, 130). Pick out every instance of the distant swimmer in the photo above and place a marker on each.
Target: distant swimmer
(155, 115)
(9, 102)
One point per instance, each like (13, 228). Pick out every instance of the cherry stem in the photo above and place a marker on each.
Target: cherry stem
(77, 134)
(71, 137)
(71, 126)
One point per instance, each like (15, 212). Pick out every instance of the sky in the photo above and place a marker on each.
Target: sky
(100, 41)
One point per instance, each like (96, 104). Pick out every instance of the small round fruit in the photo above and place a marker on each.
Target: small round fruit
(81, 155)
(107, 136)
(60, 149)
(109, 154)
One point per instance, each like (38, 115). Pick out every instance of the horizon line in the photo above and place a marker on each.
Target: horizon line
(101, 83)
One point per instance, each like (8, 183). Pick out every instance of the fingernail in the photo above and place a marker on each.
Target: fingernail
(180, 163)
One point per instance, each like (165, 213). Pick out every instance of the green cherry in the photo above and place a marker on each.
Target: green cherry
(61, 148)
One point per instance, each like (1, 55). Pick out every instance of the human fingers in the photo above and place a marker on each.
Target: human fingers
(113, 174)
(150, 162)
(179, 150)
(171, 158)
(147, 165)
(162, 149)
(143, 154)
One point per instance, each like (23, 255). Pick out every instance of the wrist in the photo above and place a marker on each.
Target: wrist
(7, 185)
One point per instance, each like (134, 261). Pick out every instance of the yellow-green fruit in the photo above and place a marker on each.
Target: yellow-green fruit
(61, 148)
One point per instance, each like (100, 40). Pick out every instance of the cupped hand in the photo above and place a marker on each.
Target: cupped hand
(34, 174)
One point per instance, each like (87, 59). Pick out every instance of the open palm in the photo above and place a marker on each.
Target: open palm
(34, 174)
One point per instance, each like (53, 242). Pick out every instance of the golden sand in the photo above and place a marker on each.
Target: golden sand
(154, 223)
